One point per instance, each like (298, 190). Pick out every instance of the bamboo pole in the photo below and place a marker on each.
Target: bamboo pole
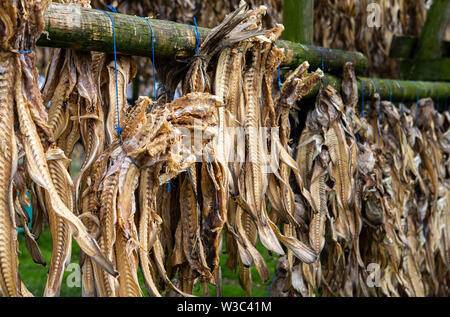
(298, 20)
(70, 26)
(430, 44)
(398, 90)
(430, 40)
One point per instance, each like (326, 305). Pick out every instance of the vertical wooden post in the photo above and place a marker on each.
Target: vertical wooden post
(298, 20)
(430, 46)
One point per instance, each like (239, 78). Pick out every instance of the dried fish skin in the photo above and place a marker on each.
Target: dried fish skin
(190, 221)
(9, 275)
(38, 168)
(319, 195)
(61, 235)
(149, 225)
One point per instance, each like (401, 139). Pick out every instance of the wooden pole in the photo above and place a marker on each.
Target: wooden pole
(69, 26)
(298, 20)
(399, 90)
(430, 44)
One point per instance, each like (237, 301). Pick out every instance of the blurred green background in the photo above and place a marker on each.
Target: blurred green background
(34, 275)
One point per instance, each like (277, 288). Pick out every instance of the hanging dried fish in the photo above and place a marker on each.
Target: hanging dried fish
(164, 185)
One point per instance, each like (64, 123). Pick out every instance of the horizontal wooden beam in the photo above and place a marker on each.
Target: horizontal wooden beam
(434, 69)
(70, 26)
(404, 46)
(398, 90)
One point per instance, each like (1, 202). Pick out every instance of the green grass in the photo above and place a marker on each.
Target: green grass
(34, 275)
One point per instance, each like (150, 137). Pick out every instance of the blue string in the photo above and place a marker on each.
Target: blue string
(153, 57)
(358, 139)
(168, 187)
(197, 46)
(271, 282)
(110, 7)
(197, 35)
(27, 52)
(135, 164)
(118, 128)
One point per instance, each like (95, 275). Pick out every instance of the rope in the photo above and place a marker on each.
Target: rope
(27, 52)
(197, 43)
(153, 59)
(197, 46)
(110, 7)
(135, 164)
(118, 128)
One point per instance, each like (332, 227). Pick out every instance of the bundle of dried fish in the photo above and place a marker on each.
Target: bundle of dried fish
(44, 162)
(400, 192)
(74, 113)
(164, 184)
(368, 27)
(207, 13)
(151, 151)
